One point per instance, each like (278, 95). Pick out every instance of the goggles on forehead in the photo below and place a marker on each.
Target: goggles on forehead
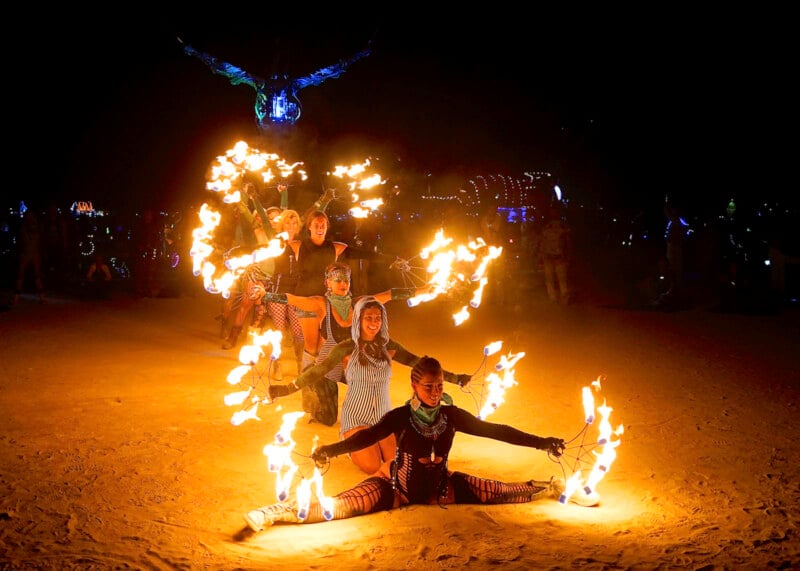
(338, 275)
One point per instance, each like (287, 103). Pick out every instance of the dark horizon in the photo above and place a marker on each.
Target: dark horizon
(617, 113)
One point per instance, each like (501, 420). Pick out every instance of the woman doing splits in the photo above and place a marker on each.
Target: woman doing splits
(424, 429)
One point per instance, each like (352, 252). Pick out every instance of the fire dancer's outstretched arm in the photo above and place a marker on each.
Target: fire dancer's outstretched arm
(423, 429)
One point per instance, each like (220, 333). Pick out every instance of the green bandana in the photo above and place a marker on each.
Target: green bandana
(342, 304)
(428, 414)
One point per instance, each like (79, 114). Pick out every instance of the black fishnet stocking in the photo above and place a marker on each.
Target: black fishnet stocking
(372, 495)
(473, 490)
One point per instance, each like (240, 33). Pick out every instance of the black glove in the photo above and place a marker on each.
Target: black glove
(403, 292)
(463, 380)
(320, 456)
(554, 446)
(276, 297)
(276, 391)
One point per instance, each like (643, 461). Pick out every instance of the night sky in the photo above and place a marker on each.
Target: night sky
(621, 107)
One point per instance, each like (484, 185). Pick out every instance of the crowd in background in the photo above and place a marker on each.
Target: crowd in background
(735, 260)
(57, 250)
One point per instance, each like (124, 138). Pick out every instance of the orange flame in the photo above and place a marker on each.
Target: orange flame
(461, 265)
(605, 440)
(227, 175)
(499, 385)
(279, 461)
(249, 356)
(279, 455)
(357, 179)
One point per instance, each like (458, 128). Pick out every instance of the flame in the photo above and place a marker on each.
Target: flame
(508, 361)
(450, 266)
(241, 416)
(249, 356)
(227, 174)
(357, 179)
(461, 316)
(303, 495)
(237, 397)
(499, 385)
(365, 207)
(492, 348)
(608, 449)
(279, 462)
(588, 405)
(606, 442)
(279, 455)
(572, 485)
(236, 374)
(478, 294)
(341, 171)
(358, 212)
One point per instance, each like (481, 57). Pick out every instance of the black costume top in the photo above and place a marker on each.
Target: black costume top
(286, 272)
(331, 328)
(312, 263)
(420, 467)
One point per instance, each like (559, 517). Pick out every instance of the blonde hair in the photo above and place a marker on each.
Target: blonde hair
(285, 215)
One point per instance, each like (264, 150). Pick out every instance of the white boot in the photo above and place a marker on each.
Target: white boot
(255, 520)
(579, 496)
(277, 372)
(262, 517)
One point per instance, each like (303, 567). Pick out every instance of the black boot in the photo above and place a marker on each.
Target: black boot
(233, 338)
(224, 326)
(298, 355)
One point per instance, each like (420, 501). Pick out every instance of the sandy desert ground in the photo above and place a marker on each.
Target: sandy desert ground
(117, 451)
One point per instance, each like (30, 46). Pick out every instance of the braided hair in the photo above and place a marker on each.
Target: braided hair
(425, 366)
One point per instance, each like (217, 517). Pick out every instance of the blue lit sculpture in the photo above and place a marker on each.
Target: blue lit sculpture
(276, 97)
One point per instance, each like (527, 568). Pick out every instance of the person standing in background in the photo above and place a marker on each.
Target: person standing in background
(361, 238)
(98, 279)
(29, 249)
(675, 235)
(54, 244)
(556, 250)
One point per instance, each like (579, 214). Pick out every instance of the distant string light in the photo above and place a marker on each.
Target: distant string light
(512, 191)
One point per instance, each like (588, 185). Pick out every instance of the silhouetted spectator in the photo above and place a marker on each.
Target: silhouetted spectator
(54, 244)
(148, 238)
(29, 249)
(556, 250)
(98, 279)
(361, 238)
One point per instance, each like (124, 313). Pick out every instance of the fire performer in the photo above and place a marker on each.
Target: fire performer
(284, 281)
(257, 277)
(367, 356)
(332, 315)
(424, 429)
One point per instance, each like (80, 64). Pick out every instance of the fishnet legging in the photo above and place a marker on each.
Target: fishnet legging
(280, 313)
(372, 495)
(469, 489)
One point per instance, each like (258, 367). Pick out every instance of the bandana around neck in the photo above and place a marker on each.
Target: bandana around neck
(428, 414)
(342, 304)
